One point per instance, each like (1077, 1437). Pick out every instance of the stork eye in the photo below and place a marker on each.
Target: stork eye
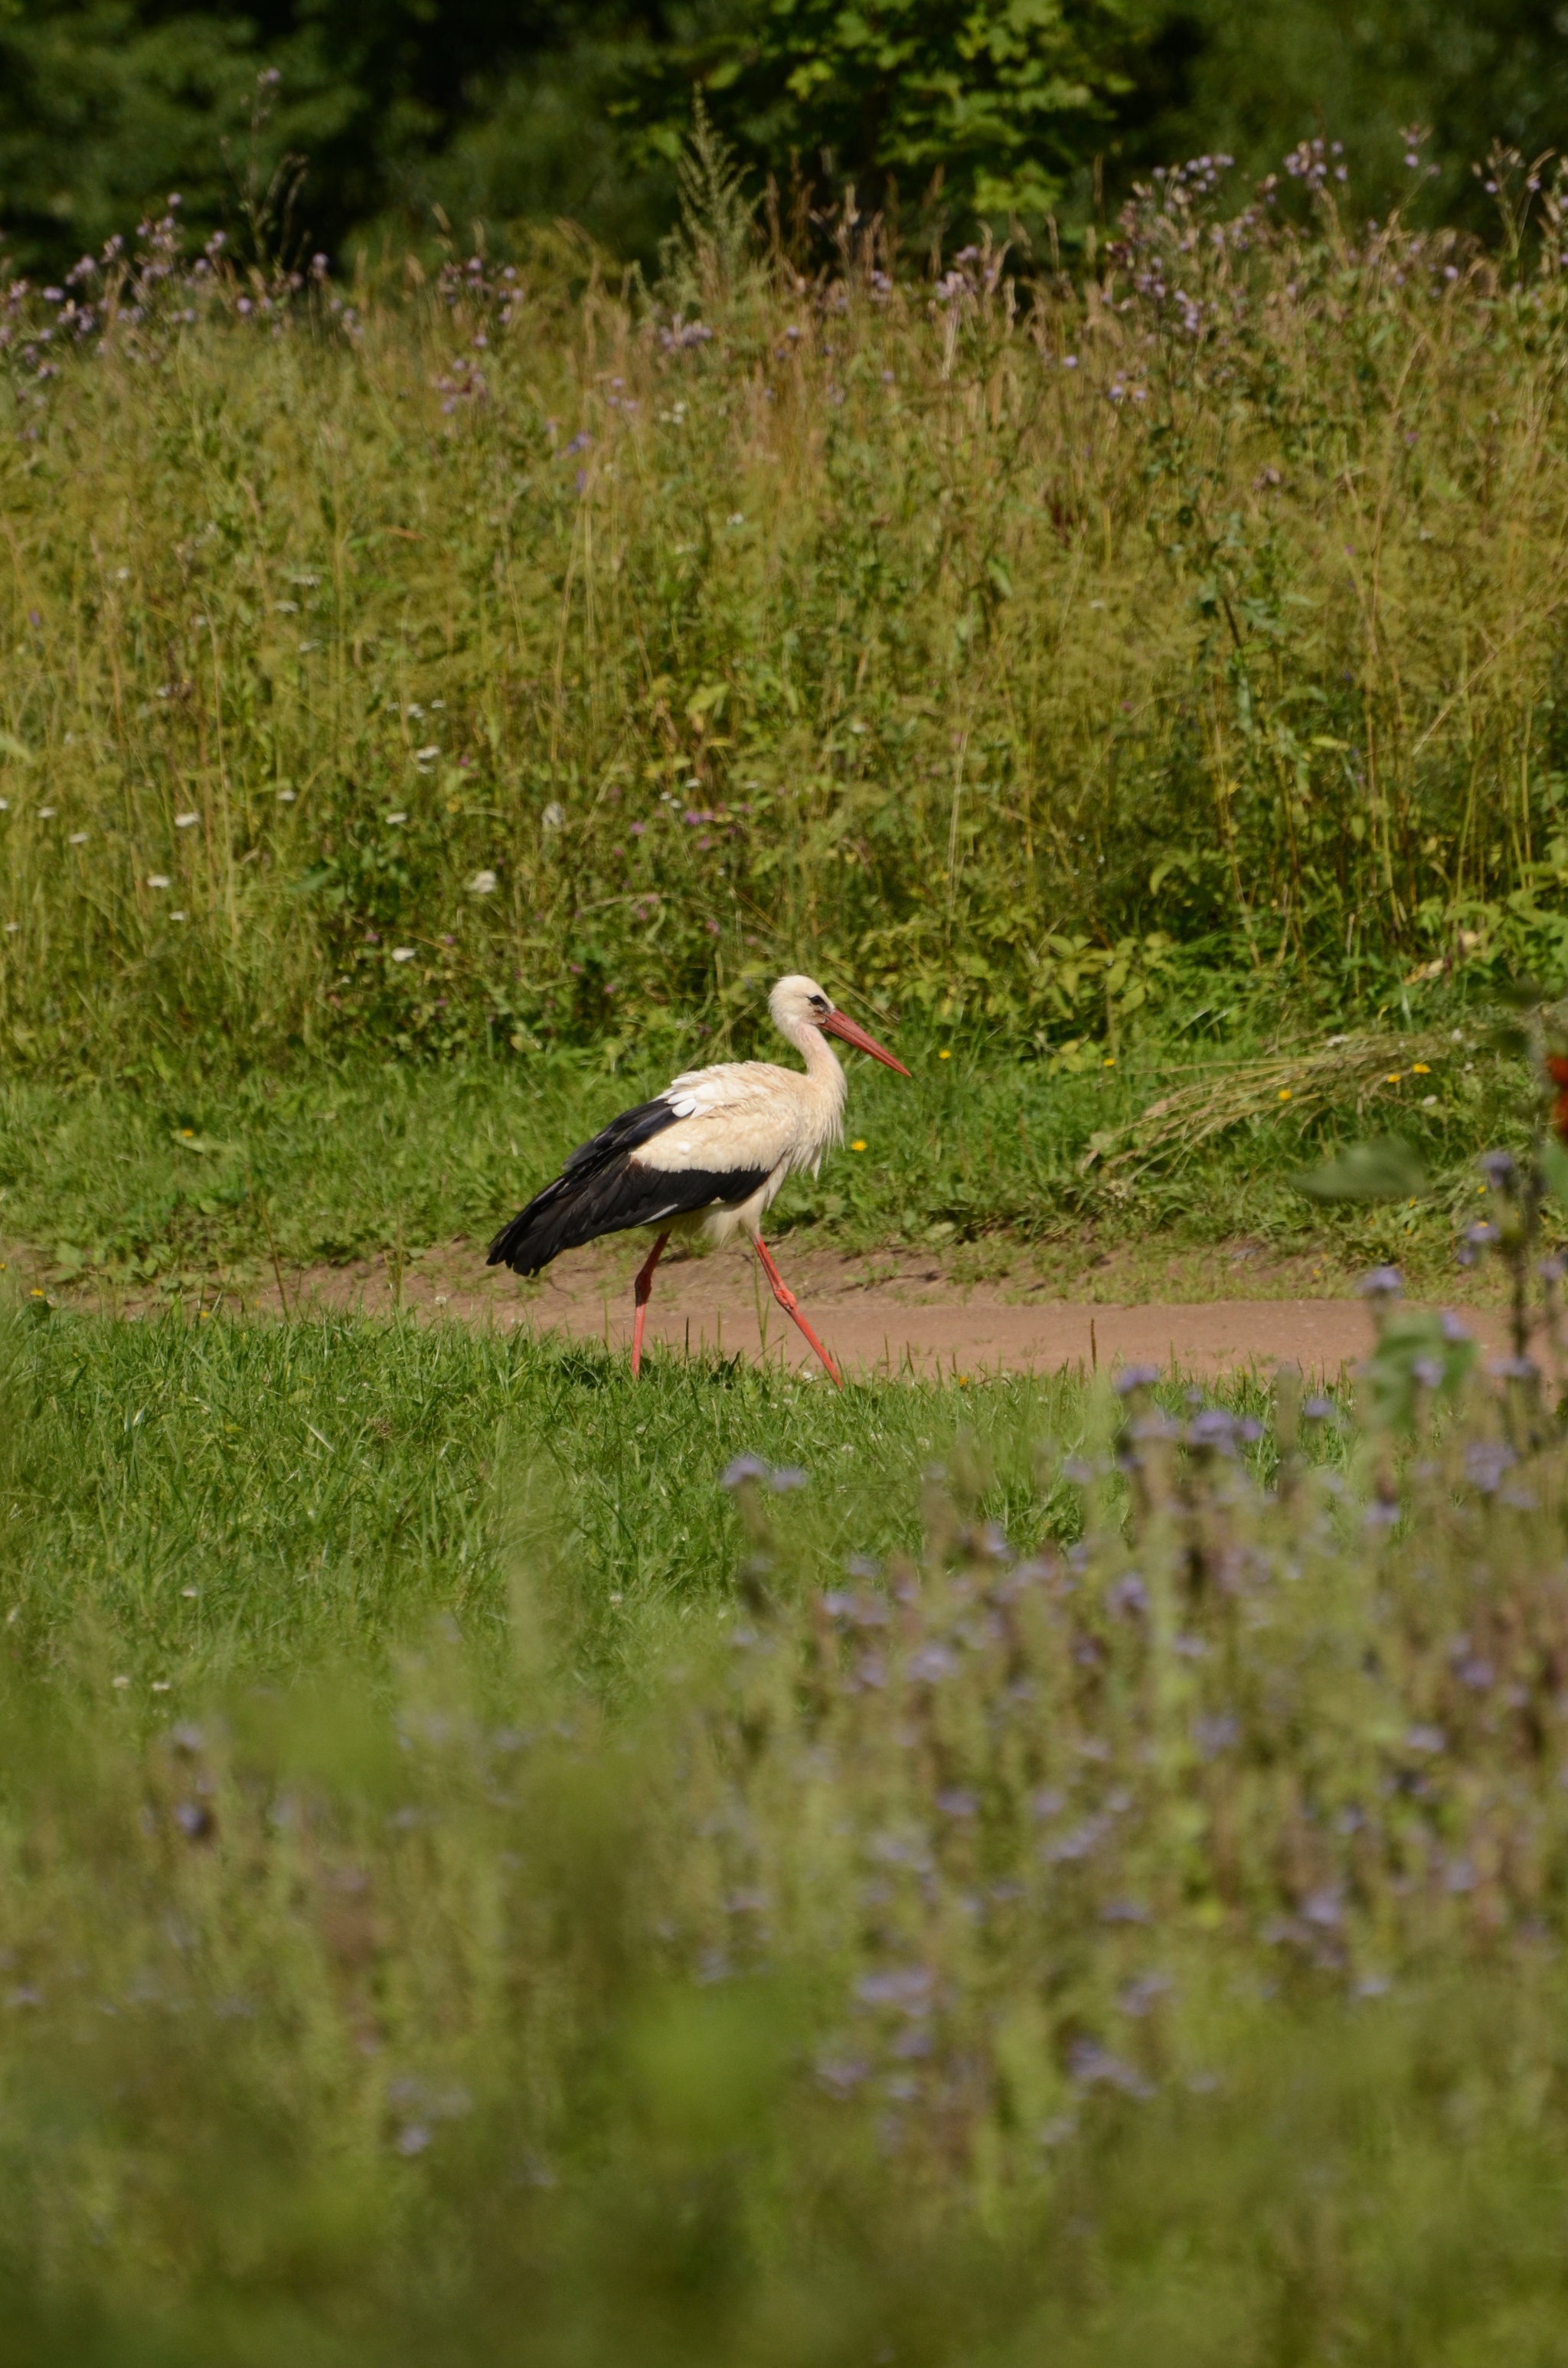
(821, 1003)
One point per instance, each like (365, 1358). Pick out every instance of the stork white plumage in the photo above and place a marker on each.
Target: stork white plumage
(705, 1159)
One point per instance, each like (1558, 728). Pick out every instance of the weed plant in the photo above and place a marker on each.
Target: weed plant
(516, 658)
(1115, 1903)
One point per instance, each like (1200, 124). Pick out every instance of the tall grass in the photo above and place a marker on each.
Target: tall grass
(515, 655)
(1117, 1915)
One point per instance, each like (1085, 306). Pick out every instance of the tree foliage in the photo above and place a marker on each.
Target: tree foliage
(501, 114)
(1001, 98)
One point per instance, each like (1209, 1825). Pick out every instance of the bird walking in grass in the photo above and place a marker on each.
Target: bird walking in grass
(705, 1159)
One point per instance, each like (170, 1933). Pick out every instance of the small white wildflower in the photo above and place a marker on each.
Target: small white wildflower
(78, 839)
(414, 709)
(11, 927)
(122, 575)
(554, 814)
(285, 797)
(427, 756)
(287, 608)
(438, 707)
(737, 517)
(403, 953)
(397, 817)
(306, 647)
(185, 821)
(46, 814)
(197, 624)
(119, 1682)
(158, 880)
(483, 884)
(176, 916)
(5, 806)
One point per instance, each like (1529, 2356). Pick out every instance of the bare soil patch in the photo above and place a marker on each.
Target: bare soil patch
(895, 1314)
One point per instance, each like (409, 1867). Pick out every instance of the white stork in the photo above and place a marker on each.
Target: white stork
(705, 1159)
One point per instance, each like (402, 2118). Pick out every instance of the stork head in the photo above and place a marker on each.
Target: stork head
(798, 1003)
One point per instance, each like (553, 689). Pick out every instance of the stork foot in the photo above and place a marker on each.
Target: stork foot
(787, 1301)
(642, 1292)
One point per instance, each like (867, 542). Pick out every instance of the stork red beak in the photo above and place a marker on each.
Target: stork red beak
(838, 1024)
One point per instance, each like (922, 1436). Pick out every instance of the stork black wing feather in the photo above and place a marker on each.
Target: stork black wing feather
(601, 1190)
(627, 1132)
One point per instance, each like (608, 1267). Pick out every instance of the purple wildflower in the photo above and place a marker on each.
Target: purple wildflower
(842, 2075)
(1215, 1735)
(1485, 1461)
(1214, 1432)
(908, 1987)
(1094, 2067)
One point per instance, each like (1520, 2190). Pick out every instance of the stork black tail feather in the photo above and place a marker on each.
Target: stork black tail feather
(536, 1234)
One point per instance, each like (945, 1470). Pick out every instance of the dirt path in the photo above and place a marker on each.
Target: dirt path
(885, 1316)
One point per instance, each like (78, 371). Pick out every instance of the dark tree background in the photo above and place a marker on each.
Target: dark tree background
(509, 112)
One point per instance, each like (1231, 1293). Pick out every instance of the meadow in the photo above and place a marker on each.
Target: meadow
(522, 659)
(505, 1862)
(497, 1861)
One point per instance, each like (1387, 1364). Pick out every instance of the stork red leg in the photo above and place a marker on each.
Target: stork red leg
(787, 1300)
(642, 1292)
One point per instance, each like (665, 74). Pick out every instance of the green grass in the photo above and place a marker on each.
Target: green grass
(175, 1186)
(1058, 1882)
(225, 1499)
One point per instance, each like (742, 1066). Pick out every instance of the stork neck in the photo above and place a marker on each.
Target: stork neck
(822, 1062)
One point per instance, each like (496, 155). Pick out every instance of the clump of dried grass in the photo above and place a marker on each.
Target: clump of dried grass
(1357, 1072)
